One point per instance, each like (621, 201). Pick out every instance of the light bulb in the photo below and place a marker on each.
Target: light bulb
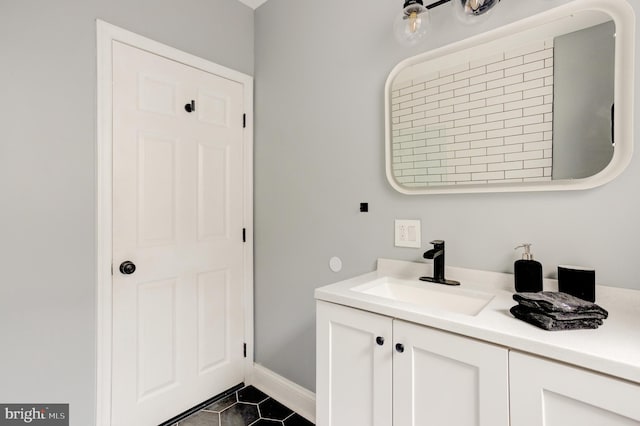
(411, 24)
(474, 5)
(469, 10)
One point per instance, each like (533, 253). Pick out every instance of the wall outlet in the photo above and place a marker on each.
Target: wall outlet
(407, 233)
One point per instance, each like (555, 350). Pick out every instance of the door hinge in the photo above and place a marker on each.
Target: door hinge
(244, 350)
(244, 235)
(244, 121)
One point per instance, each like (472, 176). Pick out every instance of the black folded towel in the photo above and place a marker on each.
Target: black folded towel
(536, 317)
(558, 302)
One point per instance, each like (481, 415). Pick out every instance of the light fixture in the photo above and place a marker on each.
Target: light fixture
(470, 10)
(411, 24)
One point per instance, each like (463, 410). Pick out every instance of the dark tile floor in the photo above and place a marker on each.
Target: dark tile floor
(246, 407)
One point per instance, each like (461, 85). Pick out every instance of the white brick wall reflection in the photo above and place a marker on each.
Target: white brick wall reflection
(485, 121)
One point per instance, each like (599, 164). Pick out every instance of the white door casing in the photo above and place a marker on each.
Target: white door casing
(194, 276)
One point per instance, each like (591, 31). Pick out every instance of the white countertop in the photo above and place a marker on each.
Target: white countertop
(613, 348)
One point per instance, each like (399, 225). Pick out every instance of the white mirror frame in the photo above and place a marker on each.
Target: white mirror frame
(623, 16)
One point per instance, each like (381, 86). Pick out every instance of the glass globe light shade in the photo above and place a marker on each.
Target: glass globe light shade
(411, 24)
(470, 10)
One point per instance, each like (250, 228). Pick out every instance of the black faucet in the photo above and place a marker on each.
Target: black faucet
(437, 254)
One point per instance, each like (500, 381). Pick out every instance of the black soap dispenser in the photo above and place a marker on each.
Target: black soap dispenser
(527, 272)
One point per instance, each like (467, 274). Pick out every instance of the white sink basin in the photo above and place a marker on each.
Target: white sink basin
(428, 295)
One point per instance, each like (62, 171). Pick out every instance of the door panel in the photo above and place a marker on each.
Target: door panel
(157, 94)
(548, 393)
(213, 204)
(446, 401)
(354, 371)
(444, 379)
(213, 108)
(156, 191)
(213, 345)
(156, 337)
(177, 214)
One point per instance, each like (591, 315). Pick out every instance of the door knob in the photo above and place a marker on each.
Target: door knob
(127, 267)
(380, 340)
(400, 347)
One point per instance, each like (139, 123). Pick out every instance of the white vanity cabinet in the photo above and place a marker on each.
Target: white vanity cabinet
(353, 367)
(442, 378)
(377, 371)
(460, 366)
(549, 393)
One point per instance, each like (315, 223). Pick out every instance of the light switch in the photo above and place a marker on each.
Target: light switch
(407, 233)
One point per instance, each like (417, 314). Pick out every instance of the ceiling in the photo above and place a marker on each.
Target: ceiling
(253, 3)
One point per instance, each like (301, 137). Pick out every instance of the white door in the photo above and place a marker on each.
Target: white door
(548, 393)
(441, 378)
(353, 367)
(177, 216)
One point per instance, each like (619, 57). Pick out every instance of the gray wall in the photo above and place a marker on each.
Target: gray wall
(320, 73)
(585, 132)
(47, 183)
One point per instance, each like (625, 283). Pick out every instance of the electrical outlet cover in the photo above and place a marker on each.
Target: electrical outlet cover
(407, 233)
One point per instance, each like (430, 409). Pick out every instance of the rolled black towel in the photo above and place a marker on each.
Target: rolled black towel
(539, 319)
(555, 301)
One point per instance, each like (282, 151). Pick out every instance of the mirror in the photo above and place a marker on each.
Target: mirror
(541, 104)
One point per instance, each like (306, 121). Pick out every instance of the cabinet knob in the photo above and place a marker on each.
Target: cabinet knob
(380, 340)
(399, 347)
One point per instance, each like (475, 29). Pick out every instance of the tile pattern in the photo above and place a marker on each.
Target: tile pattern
(246, 407)
(484, 121)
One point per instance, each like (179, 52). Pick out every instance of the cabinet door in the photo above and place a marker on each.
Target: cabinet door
(442, 378)
(548, 393)
(353, 382)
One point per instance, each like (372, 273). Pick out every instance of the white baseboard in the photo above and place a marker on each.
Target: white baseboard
(294, 396)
